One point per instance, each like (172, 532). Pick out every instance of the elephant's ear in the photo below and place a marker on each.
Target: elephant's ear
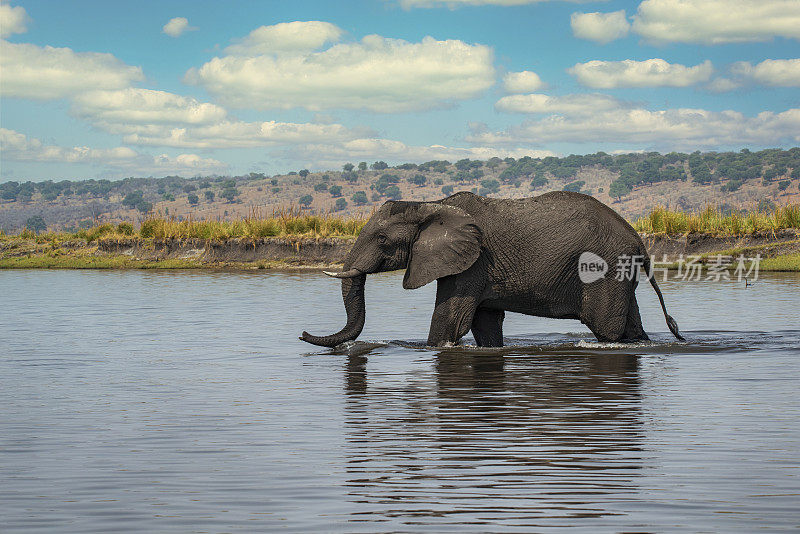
(449, 242)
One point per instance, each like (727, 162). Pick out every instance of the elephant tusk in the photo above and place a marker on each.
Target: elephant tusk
(345, 274)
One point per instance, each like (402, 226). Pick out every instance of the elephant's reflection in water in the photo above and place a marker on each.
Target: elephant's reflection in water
(495, 437)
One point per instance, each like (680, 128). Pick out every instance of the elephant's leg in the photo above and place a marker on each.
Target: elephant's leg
(487, 327)
(634, 331)
(456, 302)
(605, 308)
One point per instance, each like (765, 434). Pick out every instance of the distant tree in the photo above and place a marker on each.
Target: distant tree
(188, 188)
(574, 186)
(306, 200)
(205, 184)
(783, 184)
(359, 198)
(209, 196)
(229, 194)
(303, 173)
(376, 196)
(193, 199)
(448, 189)
(340, 204)
(619, 189)
(335, 190)
(273, 182)
(393, 193)
(418, 179)
(322, 186)
(132, 199)
(438, 181)
(494, 162)
(489, 186)
(228, 184)
(362, 165)
(795, 173)
(538, 181)
(36, 224)
(144, 206)
(347, 167)
(350, 176)
(379, 165)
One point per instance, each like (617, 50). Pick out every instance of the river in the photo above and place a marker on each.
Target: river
(183, 402)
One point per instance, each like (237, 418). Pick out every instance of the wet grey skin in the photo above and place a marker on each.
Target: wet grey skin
(489, 256)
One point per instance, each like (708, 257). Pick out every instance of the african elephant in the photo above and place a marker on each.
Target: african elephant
(489, 256)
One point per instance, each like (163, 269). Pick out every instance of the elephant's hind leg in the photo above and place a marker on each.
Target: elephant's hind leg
(487, 327)
(605, 308)
(634, 331)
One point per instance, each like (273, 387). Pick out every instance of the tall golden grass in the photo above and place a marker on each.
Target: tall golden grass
(281, 223)
(712, 221)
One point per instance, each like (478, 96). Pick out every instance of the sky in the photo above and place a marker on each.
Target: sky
(98, 89)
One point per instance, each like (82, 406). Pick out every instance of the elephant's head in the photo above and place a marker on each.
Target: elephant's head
(428, 239)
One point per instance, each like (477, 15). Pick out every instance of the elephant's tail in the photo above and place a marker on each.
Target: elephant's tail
(673, 326)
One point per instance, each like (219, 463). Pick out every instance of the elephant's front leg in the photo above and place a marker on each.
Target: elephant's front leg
(456, 302)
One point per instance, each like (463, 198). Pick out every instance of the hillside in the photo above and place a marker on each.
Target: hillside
(631, 183)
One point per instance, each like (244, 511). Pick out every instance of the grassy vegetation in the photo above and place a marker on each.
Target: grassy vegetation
(712, 221)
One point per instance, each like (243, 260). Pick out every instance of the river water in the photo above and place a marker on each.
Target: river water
(183, 401)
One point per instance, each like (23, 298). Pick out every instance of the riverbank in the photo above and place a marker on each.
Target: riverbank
(779, 251)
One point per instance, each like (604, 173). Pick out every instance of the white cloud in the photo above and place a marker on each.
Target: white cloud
(663, 130)
(18, 147)
(717, 21)
(774, 72)
(176, 26)
(391, 150)
(452, 4)
(378, 74)
(232, 134)
(115, 110)
(722, 85)
(31, 71)
(295, 36)
(12, 20)
(600, 27)
(578, 104)
(649, 73)
(522, 82)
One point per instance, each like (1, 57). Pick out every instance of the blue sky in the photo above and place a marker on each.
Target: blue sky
(94, 89)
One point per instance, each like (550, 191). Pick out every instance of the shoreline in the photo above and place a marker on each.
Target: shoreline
(779, 250)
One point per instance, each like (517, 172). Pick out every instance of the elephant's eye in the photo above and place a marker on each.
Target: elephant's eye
(381, 239)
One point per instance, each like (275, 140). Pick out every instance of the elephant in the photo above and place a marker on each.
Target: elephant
(489, 256)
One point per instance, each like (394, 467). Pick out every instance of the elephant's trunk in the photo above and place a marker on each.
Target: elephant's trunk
(353, 295)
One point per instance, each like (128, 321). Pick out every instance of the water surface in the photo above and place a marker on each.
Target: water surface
(183, 401)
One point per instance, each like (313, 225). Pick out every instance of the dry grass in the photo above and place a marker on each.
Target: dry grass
(286, 222)
(712, 221)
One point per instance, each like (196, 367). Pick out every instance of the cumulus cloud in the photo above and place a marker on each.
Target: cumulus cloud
(19, 147)
(13, 19)
(386, 149)
(600, 27)
(286, 37)
(115, 110)
(774, 72)
(650, 73)
(31, 71)
(578, 104)
(717, 21)
(522, 82)
(176, 26)
(234, 134)
(663, 129)
(376, 73)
